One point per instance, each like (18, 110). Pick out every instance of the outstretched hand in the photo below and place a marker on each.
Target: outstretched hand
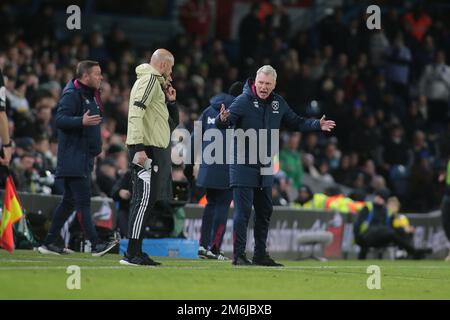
(327, 125)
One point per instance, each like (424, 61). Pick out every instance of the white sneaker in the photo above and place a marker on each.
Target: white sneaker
(202, 252)
(221, 257)
(210, 255)
(448, 257)
(128, 263)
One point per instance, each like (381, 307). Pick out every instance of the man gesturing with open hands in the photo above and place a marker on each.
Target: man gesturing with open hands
(258, 108)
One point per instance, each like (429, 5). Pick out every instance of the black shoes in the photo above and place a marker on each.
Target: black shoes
(51, 249)
(241, 261)
(149, 261)
(266, 261)
(140, 260)
(102, 248)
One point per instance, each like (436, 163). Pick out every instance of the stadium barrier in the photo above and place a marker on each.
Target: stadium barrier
(288, 224)
(286, 227)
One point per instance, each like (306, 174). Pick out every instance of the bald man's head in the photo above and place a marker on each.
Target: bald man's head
(163, 61)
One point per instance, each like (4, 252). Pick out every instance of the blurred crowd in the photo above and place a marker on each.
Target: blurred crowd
(388, 91)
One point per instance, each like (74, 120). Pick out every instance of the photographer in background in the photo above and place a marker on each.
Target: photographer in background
(374, 229)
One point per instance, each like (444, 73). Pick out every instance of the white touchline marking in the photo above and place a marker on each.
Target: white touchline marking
(20, 261)
(287, 268)
(102, 267)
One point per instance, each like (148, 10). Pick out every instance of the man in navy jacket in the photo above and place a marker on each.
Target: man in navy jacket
(255, 109)
(214, 177)
(78, 118)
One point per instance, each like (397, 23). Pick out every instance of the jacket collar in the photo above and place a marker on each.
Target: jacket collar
(80, 86)
(91, 91)
(147, 68)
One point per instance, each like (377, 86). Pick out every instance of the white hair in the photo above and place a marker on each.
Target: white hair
(268, 70)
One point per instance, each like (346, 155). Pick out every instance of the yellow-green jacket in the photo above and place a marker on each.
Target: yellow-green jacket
(148, 114)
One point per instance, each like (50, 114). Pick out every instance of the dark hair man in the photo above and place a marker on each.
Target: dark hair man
(78, 118)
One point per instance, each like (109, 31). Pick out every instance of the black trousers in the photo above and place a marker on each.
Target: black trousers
(77, 196)
(215, 216)
(382, 236)
(144, 186)
(244, 199)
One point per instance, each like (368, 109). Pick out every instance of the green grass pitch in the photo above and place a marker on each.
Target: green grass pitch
(29, 275)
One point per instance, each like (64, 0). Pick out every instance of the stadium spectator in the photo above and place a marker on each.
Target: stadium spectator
(291, 160)
(106, 176)
(195, 16)
(321, 173)
(367, 137)
(277, 198)
(343, 175)
(121, 193)
(435, 85)
(378, 44)
(250, 33)
(278, 23)
(421, 187)
(396, 152)
(398, 58)
(303, 200)
(25, 173)
(311, 146)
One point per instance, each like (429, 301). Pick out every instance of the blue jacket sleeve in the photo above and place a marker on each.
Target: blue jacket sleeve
(66, 115)
(297, 123)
